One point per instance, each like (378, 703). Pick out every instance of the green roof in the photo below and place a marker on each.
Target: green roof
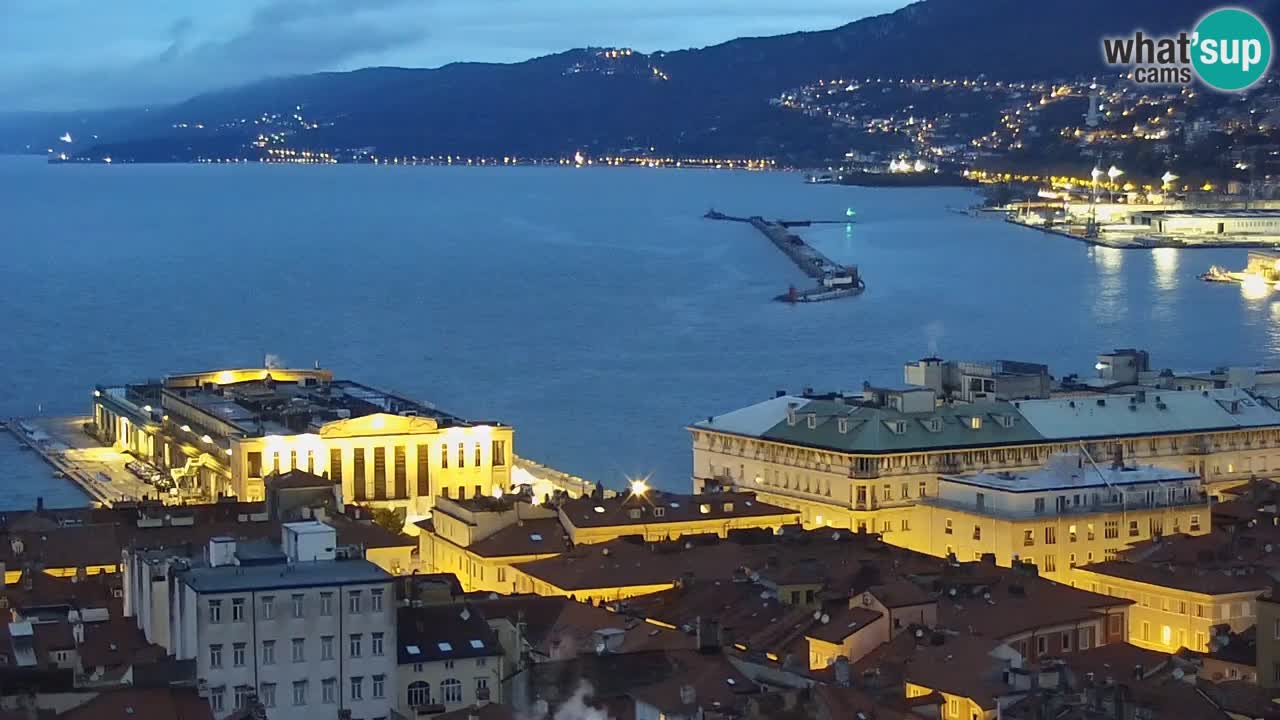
(884, 430)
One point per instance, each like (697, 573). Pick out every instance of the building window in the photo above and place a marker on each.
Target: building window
(215, 656)
(358, 477)
(424, 470)
(1042, 645)
(275, 462)
(482, 686)
(1195, 523)
(462, 455)
(297, 604)
(1066, 641)
(237, 610)
(375, 600)
(444, 455)
(947, 530)
(922, 489)
(499, 452)
(1133, 528)
(216, 695)
(1028, 537)
(400, 472)
(379, 473)
(300, 692)
(1050, 535)
(502, 574)
(326, 603)
(482, 662)
(1111, 529)
(335, 464)
(237, 655)
(268, 652)
(353, 602)
(326, 647)
(419, 694)
(356, 643)
(298, 650)
(1071, 533)
(215, 612)
(329, 691)
(267, 694)
(451, 689)
(268, 607)
(1084, 638)
(1050, 563)
(977, 532)
(904, 524)
(1039, 505)
(476, 457)
(242, 695)
(1089, 531)
(357, 688)
(254, 460)
(375, 644)
(1146, 631)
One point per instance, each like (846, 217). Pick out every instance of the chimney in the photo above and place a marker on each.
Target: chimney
(688, 696)
(710, 639)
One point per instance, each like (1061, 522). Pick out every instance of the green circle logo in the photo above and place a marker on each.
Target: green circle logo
(1232, 49)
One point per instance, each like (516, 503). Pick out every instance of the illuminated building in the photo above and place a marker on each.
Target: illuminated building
(1068, 513)
(480, 539)
(222, 432)
(863, 461)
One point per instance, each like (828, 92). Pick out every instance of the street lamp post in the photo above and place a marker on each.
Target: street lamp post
(1113, 172)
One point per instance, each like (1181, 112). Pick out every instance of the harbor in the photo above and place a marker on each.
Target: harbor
(100, 472)
(834, 280)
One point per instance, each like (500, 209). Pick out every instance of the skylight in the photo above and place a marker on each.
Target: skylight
(413, 649)
(445, 647)
(477, 644)
(536, 537)
(599, 509)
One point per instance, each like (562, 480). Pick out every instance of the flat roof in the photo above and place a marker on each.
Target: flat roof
(280, 576)
(1067, 476)
(1244, 213)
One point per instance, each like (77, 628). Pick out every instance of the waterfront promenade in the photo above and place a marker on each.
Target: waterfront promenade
(99, 471)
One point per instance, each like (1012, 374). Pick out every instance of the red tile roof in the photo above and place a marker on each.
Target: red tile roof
(143, 704)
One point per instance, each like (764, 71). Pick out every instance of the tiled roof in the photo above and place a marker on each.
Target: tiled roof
(443, 632)
(488, 711)
(116, 642)
(1208, 581)
(544, 536)
(143, 704)
(643, 510)
(621, 564)
(963, 666)
(841, 623)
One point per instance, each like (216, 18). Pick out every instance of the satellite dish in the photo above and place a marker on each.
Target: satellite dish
(1178, 674)
(465, 614)
(919, 633)
(952, 592)
(817, 614)
(826, 619)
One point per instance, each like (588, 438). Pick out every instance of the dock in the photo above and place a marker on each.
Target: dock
(834, 280)
(72, 454)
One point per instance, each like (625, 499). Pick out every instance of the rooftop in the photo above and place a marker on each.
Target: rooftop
(852, 425)
(443, 632)
(1066, 473)
(1203, 580)
(656, 507)
(242, 578)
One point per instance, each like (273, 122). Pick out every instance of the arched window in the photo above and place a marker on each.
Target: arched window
(451, 689)
(419, 694)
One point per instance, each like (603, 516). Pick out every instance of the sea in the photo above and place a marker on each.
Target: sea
(594, 308)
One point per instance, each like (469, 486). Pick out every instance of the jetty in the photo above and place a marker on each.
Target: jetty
(99, 472)
(834, 280)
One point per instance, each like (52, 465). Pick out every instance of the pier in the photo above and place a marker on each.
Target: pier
(834, 280)
(72, 454)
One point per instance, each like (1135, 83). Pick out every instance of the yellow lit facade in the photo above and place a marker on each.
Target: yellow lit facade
(1066, 514)
(228, 430)
(954, 707)
(876, 486)
(1167, 618)
(457, 529)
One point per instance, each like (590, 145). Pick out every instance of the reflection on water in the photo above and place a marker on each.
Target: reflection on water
(1255, 289)
(1273, 329)
(1108, 303)
(1166, 268)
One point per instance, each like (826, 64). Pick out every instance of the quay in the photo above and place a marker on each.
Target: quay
(834, 280)
(100, 472)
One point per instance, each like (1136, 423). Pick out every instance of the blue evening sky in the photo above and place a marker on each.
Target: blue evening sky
(70, 54)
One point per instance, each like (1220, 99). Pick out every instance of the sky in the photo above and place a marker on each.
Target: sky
(73, 54)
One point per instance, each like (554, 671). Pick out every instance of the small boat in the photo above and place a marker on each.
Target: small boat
(1217, 274)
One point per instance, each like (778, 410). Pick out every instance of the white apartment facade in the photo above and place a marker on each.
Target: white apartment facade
(307, 632)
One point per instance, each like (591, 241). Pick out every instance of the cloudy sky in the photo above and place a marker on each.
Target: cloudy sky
(70, 54)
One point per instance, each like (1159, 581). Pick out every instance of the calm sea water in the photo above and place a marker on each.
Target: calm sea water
(594, 309)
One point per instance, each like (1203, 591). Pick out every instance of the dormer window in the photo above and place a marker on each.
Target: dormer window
(812, 421)
(635, 513)
(897, 427)
(705, 508)
(842, 424)
(659, 512)
(975, 423)
(933, 424)
(1005, 421)
(728, 507)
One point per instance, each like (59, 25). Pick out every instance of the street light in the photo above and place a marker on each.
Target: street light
(639, 487)
(1113, 172)
(1167, 178)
